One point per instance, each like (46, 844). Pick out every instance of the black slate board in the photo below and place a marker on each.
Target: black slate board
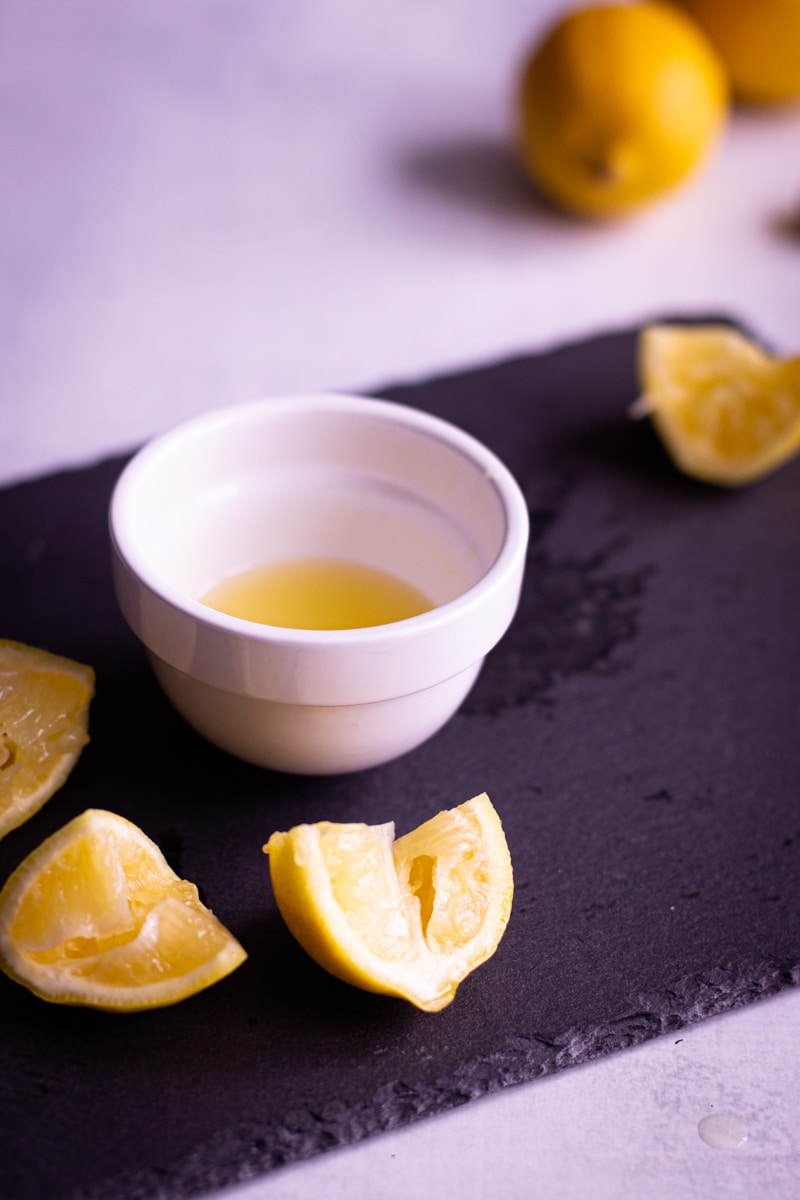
(637, 730)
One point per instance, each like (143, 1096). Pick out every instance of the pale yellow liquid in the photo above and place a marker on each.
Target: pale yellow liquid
(317, 593)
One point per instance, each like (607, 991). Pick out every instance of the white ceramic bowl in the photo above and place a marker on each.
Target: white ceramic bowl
(328, 476)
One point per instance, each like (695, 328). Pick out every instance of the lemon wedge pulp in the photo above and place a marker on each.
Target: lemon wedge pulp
(727, 412)
(96, 916)
(44, 716)
(410, 917)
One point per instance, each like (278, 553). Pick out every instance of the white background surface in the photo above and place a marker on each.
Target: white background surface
(204, 201)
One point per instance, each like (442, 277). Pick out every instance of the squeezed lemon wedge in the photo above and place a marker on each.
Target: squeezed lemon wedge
(410, 917)
(727, 412)
(95, 916)
(44, 718)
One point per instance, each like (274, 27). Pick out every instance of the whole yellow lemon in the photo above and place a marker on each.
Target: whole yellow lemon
(759, 43)
(617, 105)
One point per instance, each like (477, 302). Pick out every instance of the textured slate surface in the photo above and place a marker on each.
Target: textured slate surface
(637, 730)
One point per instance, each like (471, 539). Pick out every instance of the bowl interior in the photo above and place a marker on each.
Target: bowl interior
(352, 479)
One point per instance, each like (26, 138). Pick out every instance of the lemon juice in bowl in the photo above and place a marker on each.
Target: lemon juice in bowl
(318, 593)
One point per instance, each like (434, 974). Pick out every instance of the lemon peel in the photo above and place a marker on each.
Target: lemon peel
(618, 104)
(95, 916)
(410, 917)
(726, 410)
(759, 43)
(44, 717)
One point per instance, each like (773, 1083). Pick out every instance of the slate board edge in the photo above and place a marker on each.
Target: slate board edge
(396, 389)
(237, 1155)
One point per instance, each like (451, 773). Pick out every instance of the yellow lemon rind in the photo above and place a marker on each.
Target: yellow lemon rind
(23, 808)
(665, 399)
(305, 897)
(616, 106)
(17, 806)
(759, 44)
(50, 982)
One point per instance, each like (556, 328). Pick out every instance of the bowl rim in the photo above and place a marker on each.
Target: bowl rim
(496, 473)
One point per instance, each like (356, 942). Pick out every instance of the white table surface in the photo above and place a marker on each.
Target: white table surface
(204, 201)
